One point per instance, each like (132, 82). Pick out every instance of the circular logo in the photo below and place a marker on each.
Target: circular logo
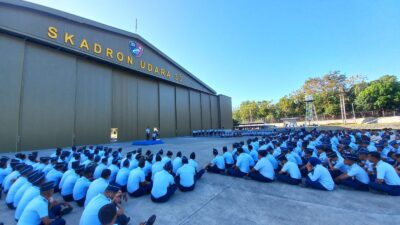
(136, 48)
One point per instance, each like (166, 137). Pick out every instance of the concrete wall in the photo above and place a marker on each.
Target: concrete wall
(225, 112)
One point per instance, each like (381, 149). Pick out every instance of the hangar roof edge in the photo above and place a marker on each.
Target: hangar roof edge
(79, 19)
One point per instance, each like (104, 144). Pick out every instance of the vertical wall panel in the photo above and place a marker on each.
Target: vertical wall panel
(205, 111)
(225, 111)
(147, 105)
(47, 116)
(93, 103)
(167, 110)
(11, 64)
(195, 110)
(214, 112)
(182, 112)
(124, 105)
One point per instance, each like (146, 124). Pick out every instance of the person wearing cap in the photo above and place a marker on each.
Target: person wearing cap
(157, 166)
(30, 193)
(82, 185)
(336, 165)
(20, 192)
(163, 185)
(97, 186)
(318, 176)
(185, 176)
(38, 210)
(289, 173)
(16, 185)
(123, 175)
(356, 177)
(89, 159)
(228, 157)
(217, 164)
(387, 180)
(4, 171)
(263, 170)
(177, 162)
(69, 183)
(114, 170)
(55, 175)
(43, 162)
(67, 173)
(99, 168)
(111, 195)
(137, 185)
(50, 166)
(242, 167)
(13, 176)
(192, 162)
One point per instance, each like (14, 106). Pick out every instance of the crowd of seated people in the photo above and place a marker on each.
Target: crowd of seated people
(91, 177)
(359, 159)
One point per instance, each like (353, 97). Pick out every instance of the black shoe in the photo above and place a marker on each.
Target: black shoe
(150, 221)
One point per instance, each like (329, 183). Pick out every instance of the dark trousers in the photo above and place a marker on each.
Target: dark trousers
(122, 220)
(58, 221)
(335, 173)
(147, 136)
(124, 189)
(68, 198)
(170, 191)
(142, 190)
(255, 175)
(235, 173)
(304, 172)
(389, 189)
(286, 178)
(354, 183)
(81, 202)
(227, 166)
(199, 174)
(315, 184)
(183, 188)
(10, 205)
(214, 169)
(56, 188)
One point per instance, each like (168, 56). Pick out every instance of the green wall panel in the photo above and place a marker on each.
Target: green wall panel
(167, 110)
(205, 111)
(195, 110)
(182, 112)
(147, 106)
(214, 112)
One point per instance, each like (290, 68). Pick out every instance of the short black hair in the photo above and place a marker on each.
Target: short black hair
(105, 173)
(107, 213)
(375, 155)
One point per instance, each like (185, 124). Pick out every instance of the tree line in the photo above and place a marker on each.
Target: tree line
(380, 95)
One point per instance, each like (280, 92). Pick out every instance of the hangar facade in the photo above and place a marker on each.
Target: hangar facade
(66, 80)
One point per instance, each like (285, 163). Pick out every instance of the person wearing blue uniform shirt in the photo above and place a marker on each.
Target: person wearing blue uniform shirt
(133, 163)
(16, 185)
(111, 194)
(12, 177)
(277, 149)
(217, 165)
(157, 166)
(263, 170)
(177, 162)
(123, 175)
(114, 170)
(318, 176)
(69, 183)
(97, 186)
(137, 185)
(336, 165)
(82, 185)
(185, 176)
(356, 177)
(55, 175)
(108, 215)
(147, 167)
(253, 153)
(242, 166)
(192, 162)
(322, 154)
(20, 192)
(228, 157)
(271, 158)
(167, 158)
(50, 166)
(163, 185)
(387, 180)
(289, 173)
(99, 168)
(67, 173)
(293, 156)
(37, 211)
(4, 171)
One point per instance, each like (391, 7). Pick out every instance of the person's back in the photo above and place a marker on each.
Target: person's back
(243, 162)
(136, 176)
(186, 174)
(90, 214)
(162, 180)
(34, 211)
(97, 186)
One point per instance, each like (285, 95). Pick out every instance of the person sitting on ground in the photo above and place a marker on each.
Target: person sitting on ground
(123, 175)
(177, 162)
(290, 172)
(163, 185)
(137, 185)
(185, 176)
(356, 177)
(336, 165)
(108, 215)
(97, 186)
(157, 166)
(243, 164)
(228, 157)
(82, 185)
(16, 185)
(217, 165)
(387, 180)
(69, 183)
(318, 176)
(263, 170)
(167, 158)
(192, 162)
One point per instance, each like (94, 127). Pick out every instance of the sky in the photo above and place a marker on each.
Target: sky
(259, 49)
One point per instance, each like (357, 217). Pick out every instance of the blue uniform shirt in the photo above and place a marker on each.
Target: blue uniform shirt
(54, 175)
(20, 193)
(341, 166)
(176, 164)
(136, 177)
(98, 186)
(292, 169)
(155, 168)
(80, 189)
(254, 155)
(228, 158)
(386, 172)
(29, 194)
(265, 168)
(322, 175)
(359, 173)
(99, 169)
(90, 214)
(122, 176)
(219, 162)
(165, 160)
(272, 160)
(147, 168)
(162, 180)
(186, 174)
(34, 211)
(3, 174)
(14, 188)
(243, 162)
(69, 183)
(64, 177)
(194, 164)
(7, 182)
(114, 170)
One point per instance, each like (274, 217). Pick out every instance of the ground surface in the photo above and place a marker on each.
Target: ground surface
(222, 200)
